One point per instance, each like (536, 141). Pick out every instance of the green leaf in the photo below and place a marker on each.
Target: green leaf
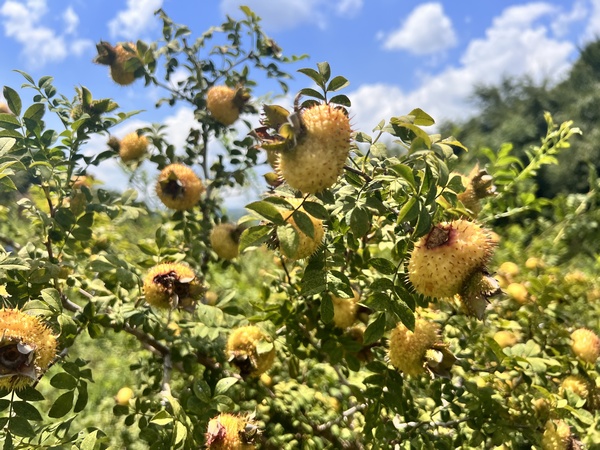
(360, 222)
(313, 282)
(4, 404)
(375, 329)
(35, 112)
(382, 265)
(20, 427)
(89, 442)
(63, 381)
(406, 315)
(62, 405)
(341, 100)
(327, 310)
(254, 236)
(30, 394)
(6, 144)
(12, 99)
(52, 297)
(224, 384)
(313, 75)
(421, 117)
(304, 223)
(316, 210)
(65, 218)
(26, 411)
(82, 397)
(324, 70)
(288, 239)
(406, 173)
(161, 419)
(409, 210)
(309, 92)
(337, 83)
(38, 308)
(268, 211)
(201, 390)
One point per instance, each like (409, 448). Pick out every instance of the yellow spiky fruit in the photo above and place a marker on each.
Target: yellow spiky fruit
(407, 349)
(444, 259)
(557, 436)
(307, 245)
(230, 432)
(586, 345)
(577, 384)
(505, 338)
(225, 104)
(133, 146)
(225, 240)
(318, 159)
(344, 310)
(117, 57)
(178, 187)
(27, 347)
(243, 350)
(171, 285)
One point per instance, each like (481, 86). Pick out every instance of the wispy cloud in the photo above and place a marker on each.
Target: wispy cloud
(485, 61)
(22, 21)
(426, 30)
(287, 14)
(137, 19)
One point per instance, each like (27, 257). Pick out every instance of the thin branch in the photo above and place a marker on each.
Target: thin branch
(360, 173)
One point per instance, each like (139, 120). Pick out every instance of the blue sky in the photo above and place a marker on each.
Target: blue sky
(397, 54)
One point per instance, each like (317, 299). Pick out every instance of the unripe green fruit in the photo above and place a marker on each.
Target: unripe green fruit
(443, 260)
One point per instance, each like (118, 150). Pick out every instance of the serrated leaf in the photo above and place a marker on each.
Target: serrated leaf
(327, 310)
(224, 384)
(62, 405)
(382, 265)
(337, 83)
(375, 329)
(12, 99)
(268, 211)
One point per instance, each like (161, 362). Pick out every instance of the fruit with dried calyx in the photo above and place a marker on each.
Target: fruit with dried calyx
(586, 345)
(251, 350)
(27, 347)
(133, 146)
(225, 240)
(231, 432)
(171, 285)
(448, 256)
(225, 104)
(178, 187)
(419, 351)
(118, 58)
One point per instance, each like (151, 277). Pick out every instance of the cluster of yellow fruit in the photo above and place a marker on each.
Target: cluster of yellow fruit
(27, 347)
(451, 261)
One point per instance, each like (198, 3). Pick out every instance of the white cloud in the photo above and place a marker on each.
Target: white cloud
(41, 44)
(592, 30)
(514, 45)
(132, 22)
(426, 30)
(71, 20)
(563, 21)
(287, 14)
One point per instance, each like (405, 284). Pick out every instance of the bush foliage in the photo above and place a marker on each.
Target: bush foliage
(76, 254)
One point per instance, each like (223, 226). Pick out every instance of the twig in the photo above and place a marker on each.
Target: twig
(360, 173)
